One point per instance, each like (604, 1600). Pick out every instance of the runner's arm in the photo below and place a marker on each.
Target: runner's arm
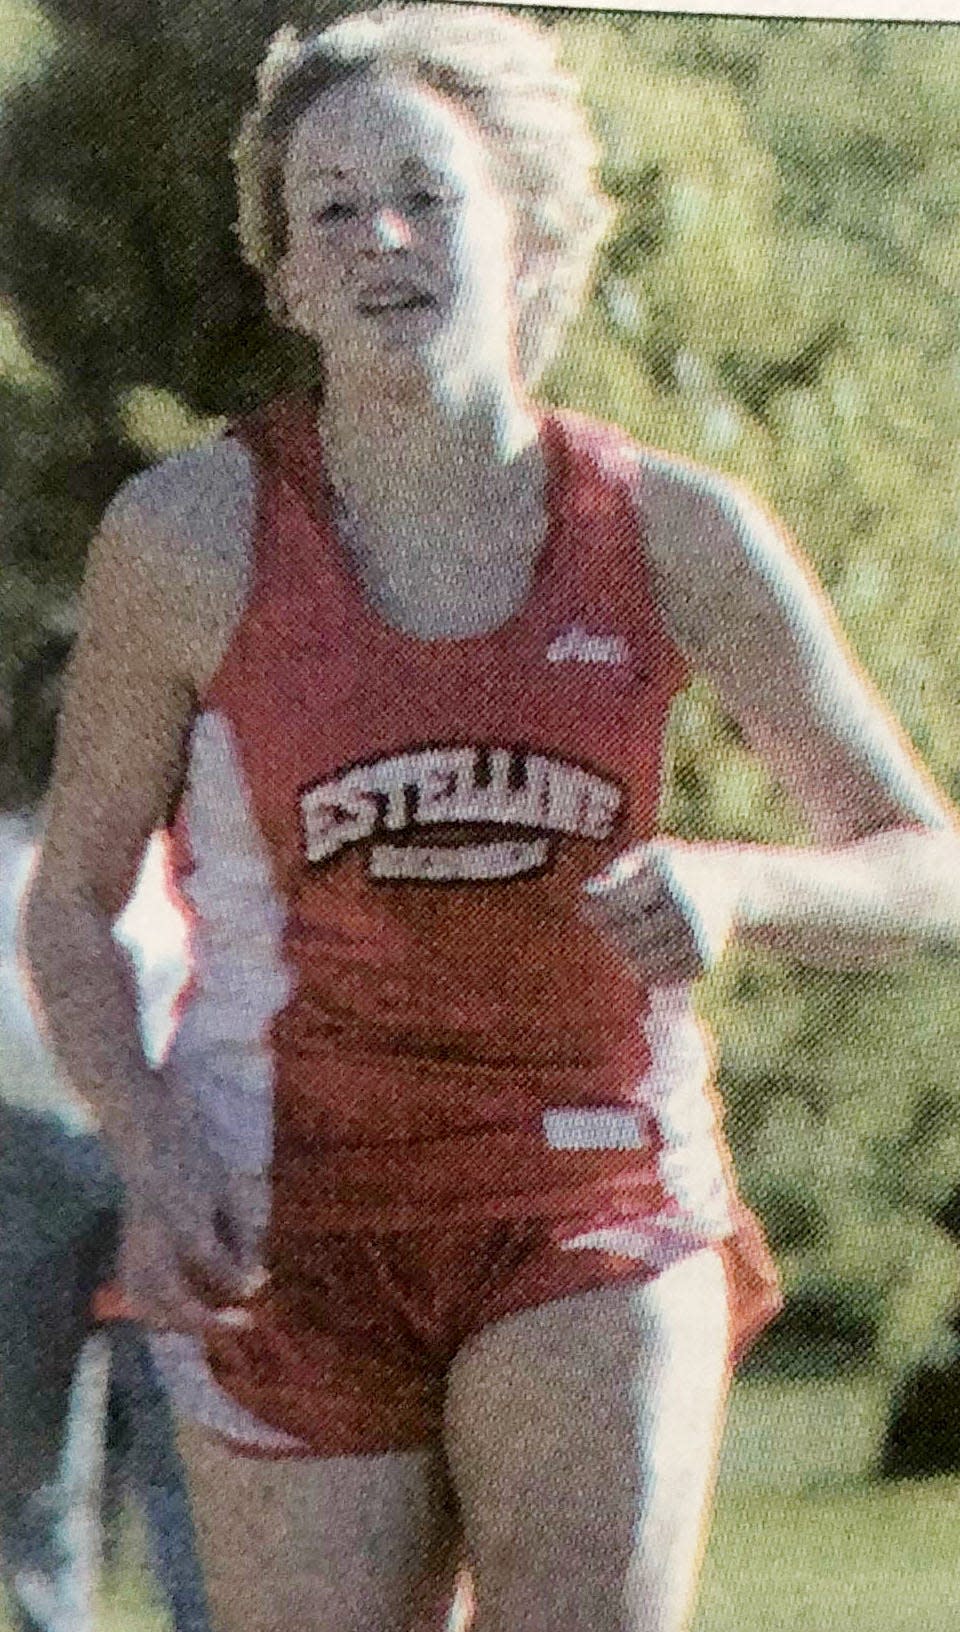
(883, 871)
(126, 711)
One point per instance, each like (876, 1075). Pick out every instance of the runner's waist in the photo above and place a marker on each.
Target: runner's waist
(352, 1096)
(574, 1160)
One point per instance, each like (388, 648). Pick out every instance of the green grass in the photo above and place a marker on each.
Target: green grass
(801, 1541)
(834, 1560)
(802, 1436)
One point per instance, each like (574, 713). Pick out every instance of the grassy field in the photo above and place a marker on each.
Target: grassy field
(802, 1540)
(834, 1559)
(830, 1559)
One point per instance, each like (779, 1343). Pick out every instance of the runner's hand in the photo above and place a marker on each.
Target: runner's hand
(192, 1233)
(669, 907)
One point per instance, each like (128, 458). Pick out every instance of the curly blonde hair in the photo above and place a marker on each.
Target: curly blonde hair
(505, 74)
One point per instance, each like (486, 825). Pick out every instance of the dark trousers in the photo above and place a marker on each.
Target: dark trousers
(59, 1223)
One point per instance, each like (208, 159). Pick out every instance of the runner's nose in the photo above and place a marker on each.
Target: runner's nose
(390, 230)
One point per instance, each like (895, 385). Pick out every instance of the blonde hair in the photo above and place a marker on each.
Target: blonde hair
(505, 74)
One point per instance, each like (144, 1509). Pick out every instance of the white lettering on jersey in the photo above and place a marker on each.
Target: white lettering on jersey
(595, 1127)
(601, 803)
(456, 786)
(459, 861)
(444, 785)
(336, 814)
(576, 645)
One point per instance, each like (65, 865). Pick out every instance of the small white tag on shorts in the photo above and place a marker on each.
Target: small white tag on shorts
(595, 1127)
(622, 1242)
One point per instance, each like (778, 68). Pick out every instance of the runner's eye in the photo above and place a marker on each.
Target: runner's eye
(335, 211)
(424, 199)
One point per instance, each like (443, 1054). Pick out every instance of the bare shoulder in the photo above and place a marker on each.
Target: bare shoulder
(711, 547)
(186, 524)
(741, 600)
(181, 496)
(164, 584)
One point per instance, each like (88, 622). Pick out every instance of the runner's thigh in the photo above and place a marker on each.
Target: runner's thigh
(338, 1544)
(582, 1438)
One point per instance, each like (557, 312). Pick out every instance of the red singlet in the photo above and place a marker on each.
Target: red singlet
(395, 1006)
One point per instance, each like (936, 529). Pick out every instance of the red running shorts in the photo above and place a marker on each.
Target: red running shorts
(350, 1356)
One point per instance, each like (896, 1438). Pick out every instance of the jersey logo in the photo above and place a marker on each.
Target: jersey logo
(575, 645)
(457, 813)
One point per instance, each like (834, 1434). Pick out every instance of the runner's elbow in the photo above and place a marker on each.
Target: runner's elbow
(57, 927)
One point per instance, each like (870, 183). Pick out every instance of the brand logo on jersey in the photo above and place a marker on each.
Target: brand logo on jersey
(575, 645)
(465, 792)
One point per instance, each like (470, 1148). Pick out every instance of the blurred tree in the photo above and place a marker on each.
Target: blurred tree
(120, 275)
(922, 1432)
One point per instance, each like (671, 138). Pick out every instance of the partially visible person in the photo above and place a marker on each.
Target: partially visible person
(60, 1210)
(59, 1222)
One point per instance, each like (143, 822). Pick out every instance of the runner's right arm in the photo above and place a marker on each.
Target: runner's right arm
(127, 709)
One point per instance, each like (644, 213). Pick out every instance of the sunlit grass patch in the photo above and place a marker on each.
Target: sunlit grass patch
(26, 39)
(864, 1559)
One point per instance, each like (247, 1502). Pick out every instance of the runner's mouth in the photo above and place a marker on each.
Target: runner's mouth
(376, 306)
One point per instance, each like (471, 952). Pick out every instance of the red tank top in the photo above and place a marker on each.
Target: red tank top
(382, 843)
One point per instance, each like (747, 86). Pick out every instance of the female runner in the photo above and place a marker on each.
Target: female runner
(428, 1203)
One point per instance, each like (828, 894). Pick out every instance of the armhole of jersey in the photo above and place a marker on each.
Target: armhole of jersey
(253, 433)
(177, 792)
(247, 431)
(631, 454)
(271, 436)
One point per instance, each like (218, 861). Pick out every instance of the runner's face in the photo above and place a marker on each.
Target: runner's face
(399, 244)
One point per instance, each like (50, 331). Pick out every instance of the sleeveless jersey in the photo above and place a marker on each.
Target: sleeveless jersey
(395, 1005)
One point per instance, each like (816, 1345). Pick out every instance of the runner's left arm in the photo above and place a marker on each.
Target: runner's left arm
(882, 875)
